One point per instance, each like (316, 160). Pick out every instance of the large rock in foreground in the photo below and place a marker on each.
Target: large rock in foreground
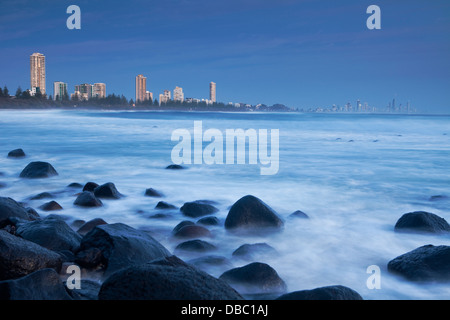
(38, 169)
(107, 191)
(20, 257)
(120, 246)
(40, 285)
(427, 263)
(250, 212)
(11, 209)
(51, 232)
(166, 279)
(254, 278)
(324, 293)
(421, 221)
(87, 199)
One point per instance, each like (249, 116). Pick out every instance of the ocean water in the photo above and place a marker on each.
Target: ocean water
(354, 175)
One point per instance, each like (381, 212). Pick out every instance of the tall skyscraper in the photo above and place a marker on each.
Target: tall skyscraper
(212, 91)
(149, 96)
(178, 94)
(37, 72)
(141, 85)
(59, 90)
(99, 90)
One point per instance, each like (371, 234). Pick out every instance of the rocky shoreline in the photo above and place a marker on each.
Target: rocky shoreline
(119, 262)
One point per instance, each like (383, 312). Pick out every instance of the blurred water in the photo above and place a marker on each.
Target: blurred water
(354, 175)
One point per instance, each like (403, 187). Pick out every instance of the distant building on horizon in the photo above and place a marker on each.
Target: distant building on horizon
(212, 92)
(149, 96)
(99, 90)
(165, 97)
(178, 94)
(141, 88)
(37, 73)
(59, 91)
(84, 91)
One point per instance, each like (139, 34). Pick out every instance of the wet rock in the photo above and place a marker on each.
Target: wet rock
(198, 208)
(181, 225)
(255, 251)
(299, 214)
(38, 169)
(44, 284)
(51, 206)
(107, 191)
(17, 153)
(42, 195)
(91, 258)
(196, 246)
(51, 232)
(210, 261)
(427, 263)
(421, 221)
(324, 293)
(153, 193)
(90, 186)
(76, 224)
(9, 208)
(254, 278)
(19, 257)
(439, 198)
(75, 185)
(167, 279)
(121, 246)
(192, 231)
(91, 224)
(88, 290)
(250, 212)
(175, 167)
(87, 199)
(209, 221)
(165, 206)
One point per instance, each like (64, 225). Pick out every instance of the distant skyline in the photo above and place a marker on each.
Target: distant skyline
(303, 54)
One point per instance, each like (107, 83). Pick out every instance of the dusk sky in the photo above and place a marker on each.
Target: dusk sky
(303, 53)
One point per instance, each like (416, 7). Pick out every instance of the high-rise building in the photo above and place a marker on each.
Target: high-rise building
(165, 97)
(178, 94)
(141, 85)
(212, 92)
(99, 90)
(37, 72)
(149, 96)
(60, 91)
(85, 91)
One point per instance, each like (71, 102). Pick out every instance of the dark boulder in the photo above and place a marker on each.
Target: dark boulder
(19, 257)
(324, 293)
(121, 246)
(192, 231)
(88, 290)
(255, 251)
(87, 199)
(17, 153)
(90, 186)
(196, 246)
(9, 208)
(51, 232)
(439, 197)
(209, 221)
(426, 263)
(51, 206)
(255, 277)
(91, 224)
(250, 212)
(198, 208)
(38, 169)
(90, 258)
(167, 279)
(299, 214)
(181, 225)
(421, 221)
(107, 191)
(165, 206)
(175, 167)
(150, 192)
(44, 284)
(207, 262)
